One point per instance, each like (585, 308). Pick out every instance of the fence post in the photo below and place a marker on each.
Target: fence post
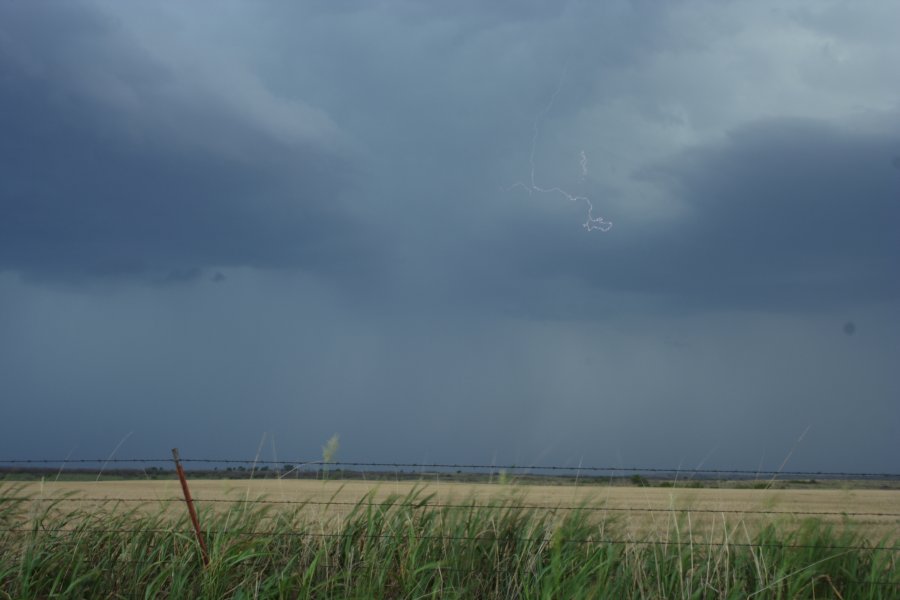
(190, 505)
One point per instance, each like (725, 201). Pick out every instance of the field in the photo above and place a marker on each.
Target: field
(638, 511)
(307, 538)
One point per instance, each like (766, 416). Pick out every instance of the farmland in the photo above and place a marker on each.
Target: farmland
(641, 510)
(432, 538)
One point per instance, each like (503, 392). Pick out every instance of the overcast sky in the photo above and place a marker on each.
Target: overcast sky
(385, 219)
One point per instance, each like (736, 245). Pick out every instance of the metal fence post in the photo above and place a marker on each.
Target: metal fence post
(190, 505)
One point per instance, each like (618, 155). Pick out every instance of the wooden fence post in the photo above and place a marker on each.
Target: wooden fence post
(190, 505)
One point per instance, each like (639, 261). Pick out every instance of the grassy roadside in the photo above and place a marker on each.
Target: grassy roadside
(399, 548)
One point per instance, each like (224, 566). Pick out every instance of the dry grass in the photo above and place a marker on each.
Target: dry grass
(402, 540)
(714, 513)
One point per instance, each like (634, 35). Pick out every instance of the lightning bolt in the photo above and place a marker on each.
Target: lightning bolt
(591, 223)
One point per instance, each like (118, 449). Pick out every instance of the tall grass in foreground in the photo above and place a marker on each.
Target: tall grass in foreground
(400, 548)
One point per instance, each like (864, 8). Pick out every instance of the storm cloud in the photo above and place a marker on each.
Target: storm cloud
(119, 165)
(304, 218)
(781, 214)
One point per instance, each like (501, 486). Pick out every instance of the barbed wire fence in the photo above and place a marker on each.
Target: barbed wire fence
(480, 468)
(461, 506)
(436, 468)
(156, 466)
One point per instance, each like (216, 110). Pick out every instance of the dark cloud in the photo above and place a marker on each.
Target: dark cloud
(787, 211)
(107, 173)
(783, 214)
(301, 219)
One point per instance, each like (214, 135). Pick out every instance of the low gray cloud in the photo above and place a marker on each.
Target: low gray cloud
(782, 214)
(304, 219)
(789, 211)
(109, 171)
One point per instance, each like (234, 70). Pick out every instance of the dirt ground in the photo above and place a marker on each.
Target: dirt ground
(712, 510)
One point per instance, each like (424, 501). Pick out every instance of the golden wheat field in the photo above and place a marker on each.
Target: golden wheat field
(711, 513)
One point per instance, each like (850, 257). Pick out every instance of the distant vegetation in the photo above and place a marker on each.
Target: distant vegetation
(289, 471)
(400, 548)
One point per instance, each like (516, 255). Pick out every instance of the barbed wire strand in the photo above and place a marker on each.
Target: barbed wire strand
(427, 505)
(458, 466)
